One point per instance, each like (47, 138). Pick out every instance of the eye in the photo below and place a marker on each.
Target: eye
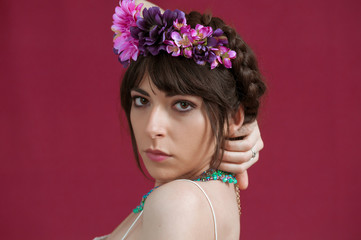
(184, 106)
(140, 101)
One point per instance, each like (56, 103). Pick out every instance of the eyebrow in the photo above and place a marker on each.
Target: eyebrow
(141, 91)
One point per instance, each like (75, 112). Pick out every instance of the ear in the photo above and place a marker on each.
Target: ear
(236, 122)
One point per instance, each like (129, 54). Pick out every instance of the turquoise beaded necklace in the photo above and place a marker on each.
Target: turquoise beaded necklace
(139, 208)
(216, 174)
(208, 175)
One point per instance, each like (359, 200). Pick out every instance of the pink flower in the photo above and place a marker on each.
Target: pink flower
(185, 29)
(199, 34)
(178, 25)
(127, 48)
(203, 32)
(225, 56)
(188, 52)
(181, 41)
(214, 64)
(194, 34)
(125, 16)
(172, 48)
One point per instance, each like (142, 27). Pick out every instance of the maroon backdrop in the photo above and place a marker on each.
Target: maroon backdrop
(67, 170)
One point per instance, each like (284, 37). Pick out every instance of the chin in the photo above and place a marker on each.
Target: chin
(162, 174)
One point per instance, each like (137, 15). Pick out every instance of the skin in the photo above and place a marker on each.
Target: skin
(161, 216)
(237, 154)
(176, 125)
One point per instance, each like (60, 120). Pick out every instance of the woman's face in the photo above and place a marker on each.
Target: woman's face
(173, 133)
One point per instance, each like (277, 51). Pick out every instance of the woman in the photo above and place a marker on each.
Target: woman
(191, 82)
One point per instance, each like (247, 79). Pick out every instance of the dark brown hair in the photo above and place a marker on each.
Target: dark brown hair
(223, 90)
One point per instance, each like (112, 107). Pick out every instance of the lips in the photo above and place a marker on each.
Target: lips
(156, 155)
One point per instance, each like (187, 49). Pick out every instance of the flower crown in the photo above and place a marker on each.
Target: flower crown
(136, 35)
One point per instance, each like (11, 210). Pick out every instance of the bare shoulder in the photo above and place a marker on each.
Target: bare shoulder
(177, 210)
(176, 192)
(175, 197)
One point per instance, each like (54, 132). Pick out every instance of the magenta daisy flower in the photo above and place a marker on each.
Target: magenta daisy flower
(125, 17)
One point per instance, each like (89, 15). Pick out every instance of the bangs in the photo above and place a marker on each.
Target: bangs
(175, 75)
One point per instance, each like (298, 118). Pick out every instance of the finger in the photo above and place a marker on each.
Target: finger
(240, 145)
(242, 156)
(242, 180)
(238, 168)
(246, 129)
(245, 144)
(236, 157)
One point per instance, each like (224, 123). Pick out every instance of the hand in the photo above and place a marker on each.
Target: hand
(237, 156)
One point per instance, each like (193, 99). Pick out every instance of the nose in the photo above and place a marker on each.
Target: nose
(156, 126)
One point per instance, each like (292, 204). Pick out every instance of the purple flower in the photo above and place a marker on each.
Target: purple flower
(169, 17)
(154, 28)
(221, 40)
(218, 32)
(203, 54)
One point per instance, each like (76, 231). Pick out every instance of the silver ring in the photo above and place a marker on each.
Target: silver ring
(253, 153)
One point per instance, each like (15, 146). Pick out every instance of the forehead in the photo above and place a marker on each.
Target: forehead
(146, 86)
(158, 87)
(173, 79)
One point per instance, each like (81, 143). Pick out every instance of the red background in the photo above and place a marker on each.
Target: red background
(67, 171)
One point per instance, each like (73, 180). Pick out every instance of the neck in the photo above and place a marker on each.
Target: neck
(190, 175)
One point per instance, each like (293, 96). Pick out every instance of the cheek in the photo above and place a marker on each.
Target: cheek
(136, 122)
(196, 138)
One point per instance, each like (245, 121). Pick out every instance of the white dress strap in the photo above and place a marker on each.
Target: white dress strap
(126, 234)
(130, 228)
(210, 204)
(101, 238)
